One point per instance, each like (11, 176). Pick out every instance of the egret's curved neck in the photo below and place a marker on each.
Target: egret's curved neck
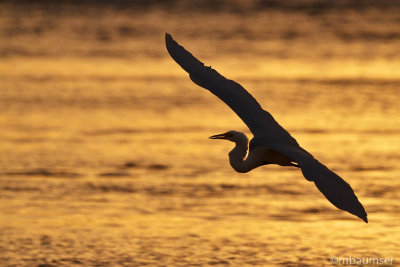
(237, 157)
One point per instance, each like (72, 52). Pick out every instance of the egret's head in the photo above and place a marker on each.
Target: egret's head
(232, 136)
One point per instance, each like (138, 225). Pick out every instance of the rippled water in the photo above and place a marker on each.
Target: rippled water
(105, 157)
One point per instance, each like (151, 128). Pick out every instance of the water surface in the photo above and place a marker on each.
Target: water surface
(105, 157)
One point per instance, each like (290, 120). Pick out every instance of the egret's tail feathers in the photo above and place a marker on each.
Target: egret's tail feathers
(334, 188)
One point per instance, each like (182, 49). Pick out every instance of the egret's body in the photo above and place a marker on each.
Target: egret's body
(271, 144)
(243, 161)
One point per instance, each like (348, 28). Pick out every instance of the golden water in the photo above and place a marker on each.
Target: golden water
(105, 157)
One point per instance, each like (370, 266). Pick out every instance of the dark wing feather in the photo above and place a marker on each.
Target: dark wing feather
(230, 92)
(334, 188)
(331, 185)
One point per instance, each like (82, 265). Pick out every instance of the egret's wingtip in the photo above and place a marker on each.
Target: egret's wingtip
(168, 36)
(168, 40)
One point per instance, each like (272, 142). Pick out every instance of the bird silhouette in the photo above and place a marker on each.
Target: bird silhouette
(271, 143)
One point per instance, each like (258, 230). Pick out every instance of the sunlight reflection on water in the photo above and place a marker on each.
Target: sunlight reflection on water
(106, 156)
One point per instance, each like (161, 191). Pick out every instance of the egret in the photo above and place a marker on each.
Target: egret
(271, 143)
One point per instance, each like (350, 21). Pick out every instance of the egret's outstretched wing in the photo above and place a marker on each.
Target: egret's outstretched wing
(331, 185)
(334, 188)
(232, 93)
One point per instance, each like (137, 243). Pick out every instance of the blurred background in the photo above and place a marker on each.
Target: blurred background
(105, 157)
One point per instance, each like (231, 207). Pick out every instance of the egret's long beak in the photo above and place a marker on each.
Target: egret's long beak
(219, 136)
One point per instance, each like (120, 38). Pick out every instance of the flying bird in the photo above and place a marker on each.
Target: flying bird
(271, 143)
